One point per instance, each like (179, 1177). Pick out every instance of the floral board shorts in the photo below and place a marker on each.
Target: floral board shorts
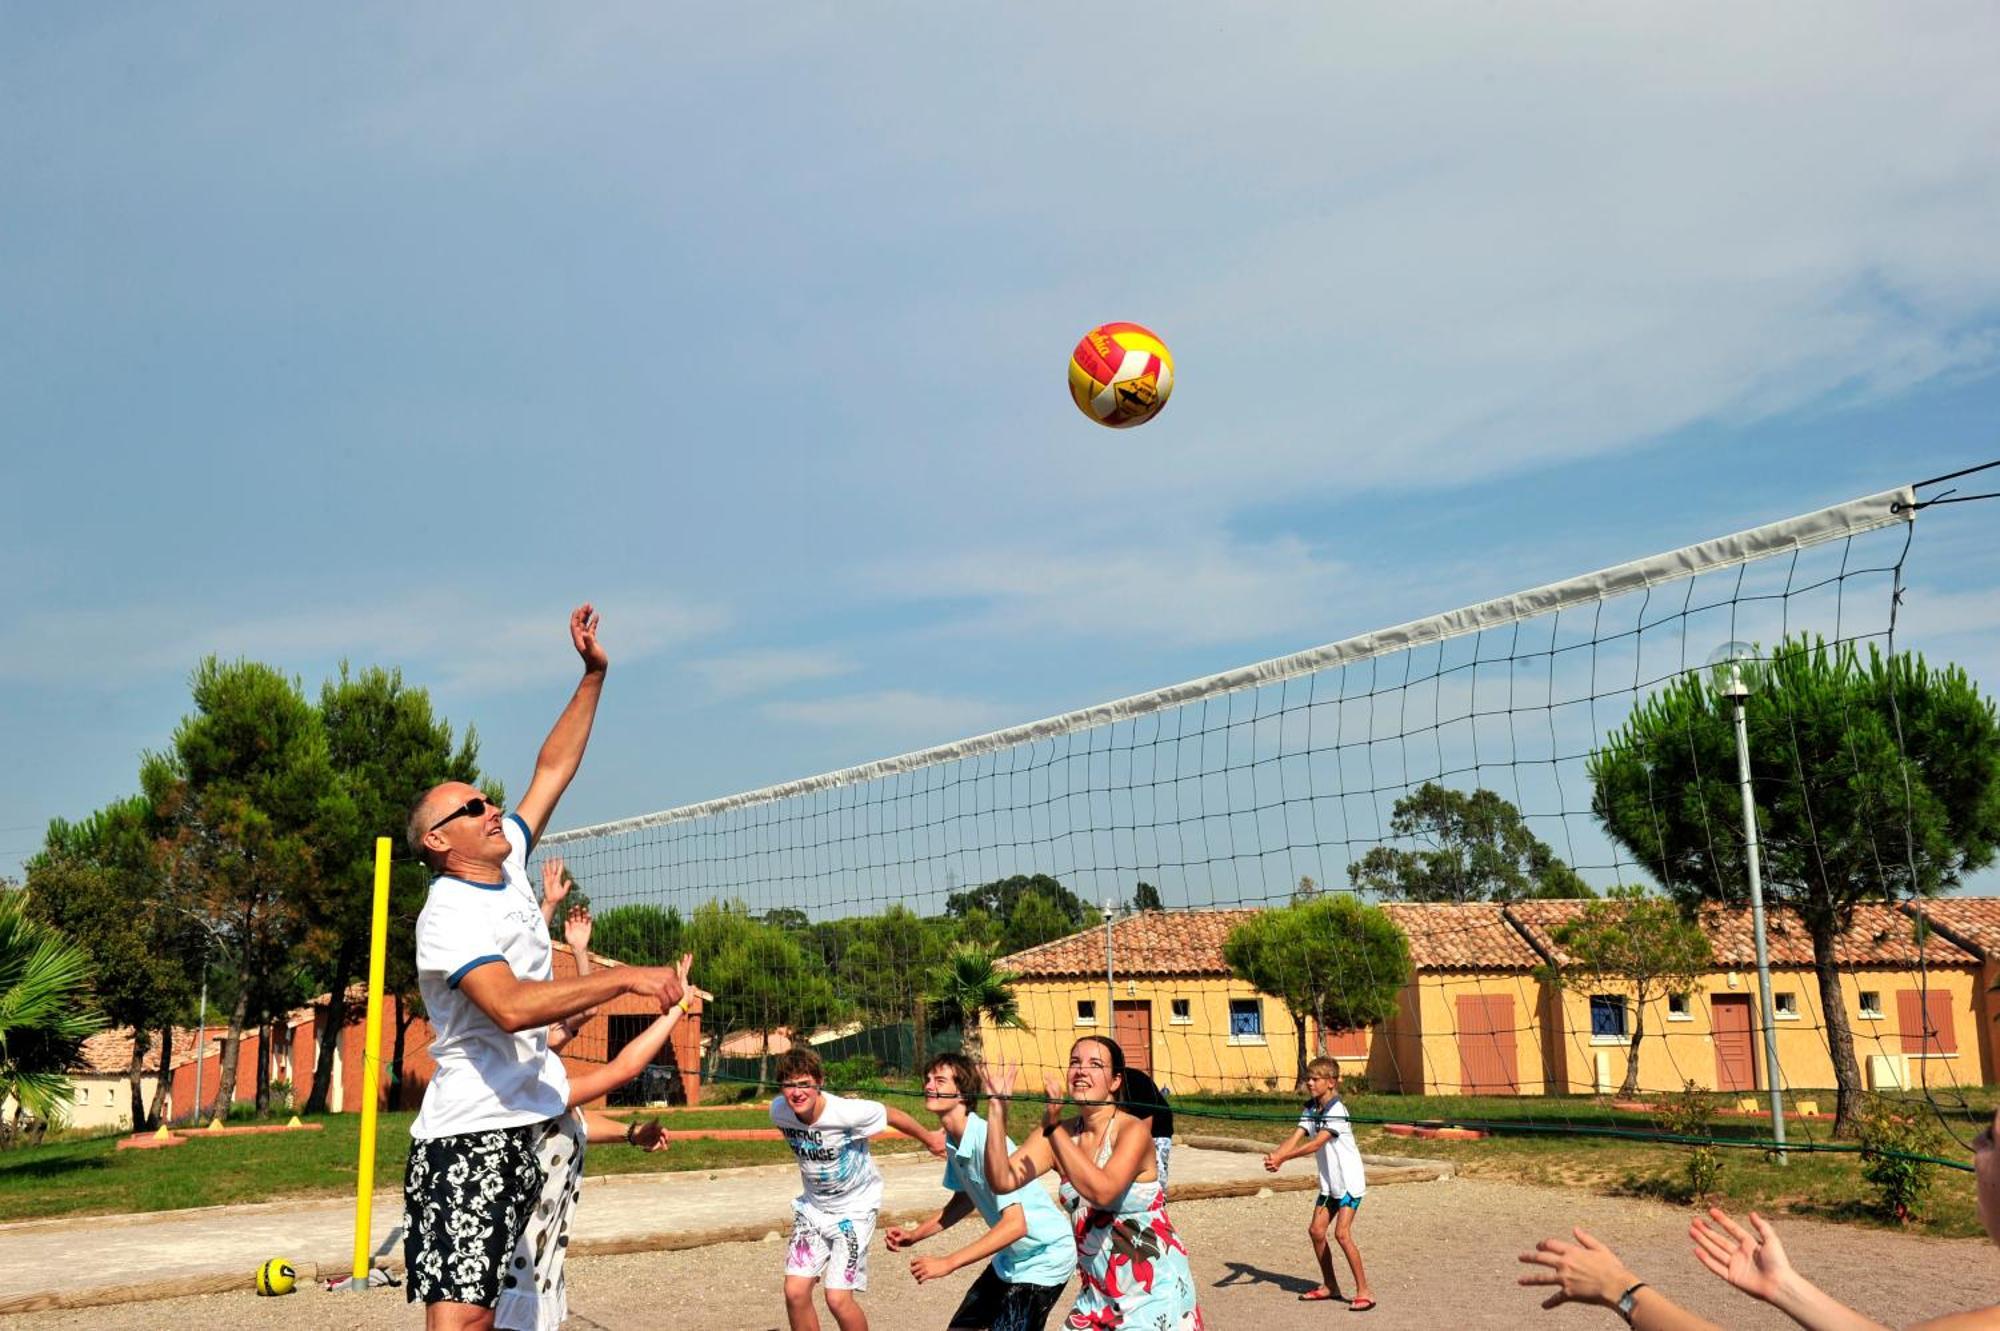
(834, 1247)
(486, 1220)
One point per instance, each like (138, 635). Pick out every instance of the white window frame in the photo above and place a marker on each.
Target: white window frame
(1687, 1007)
(1184, 1017)
(1257, 1039)
(1778, 999)
(1871, 1011)
(1083, 1003)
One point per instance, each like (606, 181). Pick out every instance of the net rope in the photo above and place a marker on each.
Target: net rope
(826, 908)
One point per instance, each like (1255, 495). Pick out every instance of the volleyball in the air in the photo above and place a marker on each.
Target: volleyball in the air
(277, 1276)
(1120, 375)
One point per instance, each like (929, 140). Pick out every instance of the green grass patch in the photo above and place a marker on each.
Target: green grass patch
(1574, 1142)
(91, 1176)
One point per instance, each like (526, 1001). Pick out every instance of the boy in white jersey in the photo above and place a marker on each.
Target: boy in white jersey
(833, 1220)
(1325, 1133)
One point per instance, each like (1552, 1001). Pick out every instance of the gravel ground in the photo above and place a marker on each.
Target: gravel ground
(1440, 1255)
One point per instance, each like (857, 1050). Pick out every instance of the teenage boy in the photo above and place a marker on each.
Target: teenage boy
(834, 1218)
(1028, 1238)
(1325, 1133)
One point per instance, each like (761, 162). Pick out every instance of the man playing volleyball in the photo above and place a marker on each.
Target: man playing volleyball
(495, 1122)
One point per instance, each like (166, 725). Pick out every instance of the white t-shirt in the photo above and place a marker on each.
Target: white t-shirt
(1339, 1160)
(486, 1077)
(839, 1175)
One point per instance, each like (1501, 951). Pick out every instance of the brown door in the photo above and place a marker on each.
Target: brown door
(1486, 1045)
(1132, 1027)
(1735, 1050)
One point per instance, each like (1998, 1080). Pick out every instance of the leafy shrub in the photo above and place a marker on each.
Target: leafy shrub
(859, 1072)
(1688, 1113)
(1891, 1133)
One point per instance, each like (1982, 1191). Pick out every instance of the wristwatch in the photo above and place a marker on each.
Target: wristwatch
(1627, 1299)
(631, 1132)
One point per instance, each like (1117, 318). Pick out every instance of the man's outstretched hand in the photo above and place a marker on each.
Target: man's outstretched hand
(583, 636)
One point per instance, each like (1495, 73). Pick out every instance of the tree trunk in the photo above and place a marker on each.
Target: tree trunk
(970, 1037)
(396, 1059)
(1631, 1086)
(331, 1020)
(166, 1079)
(141, 1041)
(920, 1035)
(1839, 1035)
(266, 1046)
(232, 1040)
(1299, 1038)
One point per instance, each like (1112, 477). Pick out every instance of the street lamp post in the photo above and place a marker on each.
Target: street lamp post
(1730, 658)
(1110, 987)
(201, 1031)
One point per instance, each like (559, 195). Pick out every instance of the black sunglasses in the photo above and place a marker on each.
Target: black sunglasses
(475, 807)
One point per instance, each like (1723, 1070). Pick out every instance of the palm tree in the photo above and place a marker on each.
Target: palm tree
(45, 1011)
(970, 986)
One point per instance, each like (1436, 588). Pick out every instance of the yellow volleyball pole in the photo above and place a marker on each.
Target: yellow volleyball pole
(371, 1060)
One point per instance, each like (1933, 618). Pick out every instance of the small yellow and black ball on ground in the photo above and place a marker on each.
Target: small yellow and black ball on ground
(277, 1276)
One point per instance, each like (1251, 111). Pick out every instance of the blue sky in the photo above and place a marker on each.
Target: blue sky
(388, 334)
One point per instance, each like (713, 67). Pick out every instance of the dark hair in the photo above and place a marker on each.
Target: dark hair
(1141, 1097)
(800, 1063)
(1111, 1050)
(963, 1071)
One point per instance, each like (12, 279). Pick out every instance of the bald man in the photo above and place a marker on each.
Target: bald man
(495, 1125)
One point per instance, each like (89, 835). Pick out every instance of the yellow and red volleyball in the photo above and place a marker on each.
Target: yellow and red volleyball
(1120, 375)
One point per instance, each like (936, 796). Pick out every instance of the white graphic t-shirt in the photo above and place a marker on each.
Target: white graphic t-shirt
(486, 1077)
(1339, 1160)
(839, 1175)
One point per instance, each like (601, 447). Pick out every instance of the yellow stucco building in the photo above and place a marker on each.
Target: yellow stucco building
(1482, 1015)
(1906, 1013)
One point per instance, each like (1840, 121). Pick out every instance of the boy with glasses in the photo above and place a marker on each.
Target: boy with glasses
(833, 1220)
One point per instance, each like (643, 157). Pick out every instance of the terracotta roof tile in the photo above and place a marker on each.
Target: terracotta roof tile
(1445, 936)
(1189, 942)
(1973, 922)
(109, 1053)
(1151, 942)
(1881, 936)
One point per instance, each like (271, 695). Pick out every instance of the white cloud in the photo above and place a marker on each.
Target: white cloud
(898, 717)
(741, 674)
(1201, 590)
(452, 644)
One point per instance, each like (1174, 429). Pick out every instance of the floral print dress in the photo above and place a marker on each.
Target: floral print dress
(1134, 1266)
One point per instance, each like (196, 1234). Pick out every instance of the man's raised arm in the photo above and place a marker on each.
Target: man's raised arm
(562, 751)
(515, 1004)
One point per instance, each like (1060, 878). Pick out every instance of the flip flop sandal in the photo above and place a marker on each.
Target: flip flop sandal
(1321, 1294)
(1363, 1306)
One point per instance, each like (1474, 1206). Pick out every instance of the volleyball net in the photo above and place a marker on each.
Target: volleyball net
(1498, 851)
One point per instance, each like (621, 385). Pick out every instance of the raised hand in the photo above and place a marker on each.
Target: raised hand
(583, 636)
(1584, 1271)
(555, 883)
(662, 984)
(576, 928)
(1000, 1079)
(650, 1137)
(1052, 1083)
(1753, 1262)
(1271, 1162)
